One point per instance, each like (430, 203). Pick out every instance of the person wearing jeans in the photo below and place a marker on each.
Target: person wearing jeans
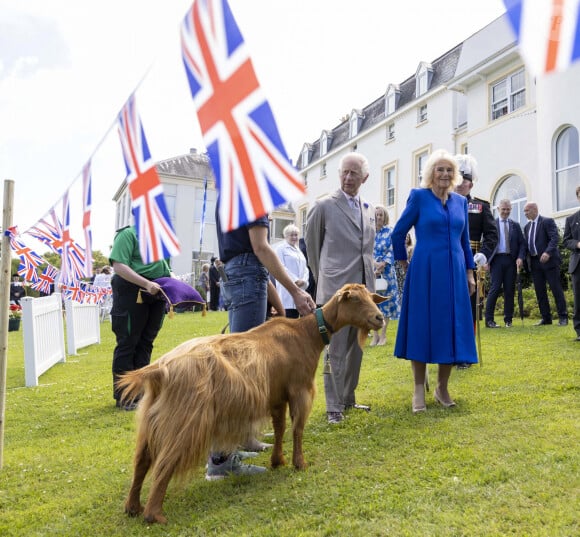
(248, 261)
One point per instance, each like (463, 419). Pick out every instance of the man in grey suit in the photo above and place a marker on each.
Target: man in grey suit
(340, 236)
(572, 242)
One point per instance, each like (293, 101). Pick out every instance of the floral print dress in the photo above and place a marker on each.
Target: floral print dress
(383, 252)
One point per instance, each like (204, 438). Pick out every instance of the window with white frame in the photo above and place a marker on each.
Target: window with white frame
(423, 78)
(391, 131)
(278, 226)
(389, 182)
(353, 127)
(513, 189)
(567, 168)
(508, 94)
(323, 170)
(420, 161)
(392, 99)
(422, 113)
(305, 156)
(323, 144)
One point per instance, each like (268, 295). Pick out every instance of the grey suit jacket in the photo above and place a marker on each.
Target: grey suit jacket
(340, 245)
(571, 239)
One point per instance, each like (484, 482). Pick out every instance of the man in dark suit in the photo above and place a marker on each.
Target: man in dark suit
(572, 242)
(214, 286)
(482, 228)
(542, 244)
(507, 257)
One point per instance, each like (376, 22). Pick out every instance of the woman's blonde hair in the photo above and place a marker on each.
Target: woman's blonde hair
(290, 228)
(435, 158)
(384, 211)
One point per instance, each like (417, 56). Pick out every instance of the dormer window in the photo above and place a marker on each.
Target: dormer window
(305, 155)
(423, 78)
(392, 99)
(325, 141)
(354, 123)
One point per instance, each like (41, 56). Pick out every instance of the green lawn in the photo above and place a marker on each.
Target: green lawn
(505, 461)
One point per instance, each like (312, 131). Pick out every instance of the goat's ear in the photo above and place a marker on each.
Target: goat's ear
(377, 299)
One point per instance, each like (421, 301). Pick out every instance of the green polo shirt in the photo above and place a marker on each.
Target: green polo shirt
(126, 250)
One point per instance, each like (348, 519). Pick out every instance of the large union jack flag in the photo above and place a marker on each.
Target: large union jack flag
(547, 31)
(251, 167)
(157, 239)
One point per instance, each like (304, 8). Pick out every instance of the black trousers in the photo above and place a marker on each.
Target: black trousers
(551, 275)
(135, 326)
(503, 276)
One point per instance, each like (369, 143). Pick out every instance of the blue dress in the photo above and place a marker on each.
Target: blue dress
(383, 252)
(436, 323)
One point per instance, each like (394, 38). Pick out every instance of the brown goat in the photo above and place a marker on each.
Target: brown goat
(212, 392)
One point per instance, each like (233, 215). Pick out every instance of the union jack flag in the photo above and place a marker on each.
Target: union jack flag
(547, 31)
(29, 259)
(252, 170)
(73, 256)
(45, 280)
(157, 239)
(87, 206)
(72, 291)
(28, 272)
(47, 233)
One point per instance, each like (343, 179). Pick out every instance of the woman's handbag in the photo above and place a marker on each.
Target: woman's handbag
(380, 284)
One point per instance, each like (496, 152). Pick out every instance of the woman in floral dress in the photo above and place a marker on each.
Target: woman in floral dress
(385, 268)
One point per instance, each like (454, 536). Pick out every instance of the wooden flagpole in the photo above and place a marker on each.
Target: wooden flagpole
(4, 303)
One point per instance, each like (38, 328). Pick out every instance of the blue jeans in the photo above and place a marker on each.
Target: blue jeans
(246, 292)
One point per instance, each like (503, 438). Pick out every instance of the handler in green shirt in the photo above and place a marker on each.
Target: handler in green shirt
(134, 322)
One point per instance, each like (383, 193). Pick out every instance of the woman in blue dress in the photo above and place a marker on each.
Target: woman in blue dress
(436, 324)
(385, 268)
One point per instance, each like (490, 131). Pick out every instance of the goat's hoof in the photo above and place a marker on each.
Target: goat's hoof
(133, 509)
(300, 465)
(155, 518)
(277, 462)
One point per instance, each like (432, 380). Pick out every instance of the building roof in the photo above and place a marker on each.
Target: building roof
(192, 165)
(443, 70)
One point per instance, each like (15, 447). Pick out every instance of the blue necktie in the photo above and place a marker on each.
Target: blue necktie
(532, 239)
(506, 236)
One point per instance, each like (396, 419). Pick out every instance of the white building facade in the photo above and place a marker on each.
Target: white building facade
(477, 98)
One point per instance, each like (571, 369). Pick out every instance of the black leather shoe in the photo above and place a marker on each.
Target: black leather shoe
(543, 322)
(491, 324)
(563, 322)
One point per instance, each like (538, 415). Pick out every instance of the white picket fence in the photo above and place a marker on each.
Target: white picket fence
(83, 326)
(43, 332)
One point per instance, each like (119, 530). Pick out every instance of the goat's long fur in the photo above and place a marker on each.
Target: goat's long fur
(213, 392)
